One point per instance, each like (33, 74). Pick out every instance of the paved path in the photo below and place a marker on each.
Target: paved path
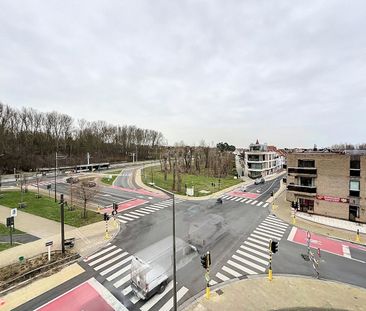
(289, 293)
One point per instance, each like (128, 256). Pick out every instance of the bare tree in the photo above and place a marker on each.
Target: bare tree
(85, 194)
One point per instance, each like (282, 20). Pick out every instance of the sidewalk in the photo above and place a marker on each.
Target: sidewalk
(341, 229)
(283, 292)
(87, 238)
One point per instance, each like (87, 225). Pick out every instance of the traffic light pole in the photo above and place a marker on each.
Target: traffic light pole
(270, 261)
(62, 224)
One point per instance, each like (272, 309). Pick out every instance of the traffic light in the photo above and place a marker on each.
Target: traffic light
(106, 217)
(297, 205)
(206, 260)
(274, 247)
(272, 194)
(115, 207)
(292, 204)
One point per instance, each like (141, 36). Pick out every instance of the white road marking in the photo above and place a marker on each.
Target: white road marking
(104, 257)
(127, 290)
(269, 222)
(137, 213)
(132, 216)
(264, 262)
(249, 263)
(260, 237)
(264, 255)
(100, 252)
(292, 234)
(243, 200)
(346, 252)
(119, 264)
(240, 267)
(122, 281)
(169, 304)
(231, 271)
(144, 212)
(260, 203)
(264, 249)
(122, 221)
(265, 205)
(254, 202)
(275, 230)
(104, 264)
(258, 242)
(154, 300)
(118, 273)
(249, 201)
(222, 277)
(125, 218)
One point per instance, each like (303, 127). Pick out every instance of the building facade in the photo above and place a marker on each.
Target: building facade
(328, 183)
(262, 160)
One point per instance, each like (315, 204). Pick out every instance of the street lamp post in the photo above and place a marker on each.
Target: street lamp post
(174, 255)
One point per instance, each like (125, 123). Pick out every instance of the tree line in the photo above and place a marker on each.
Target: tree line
(201, 160)
(29, 140)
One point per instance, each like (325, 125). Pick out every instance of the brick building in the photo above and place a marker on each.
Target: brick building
(328, 183)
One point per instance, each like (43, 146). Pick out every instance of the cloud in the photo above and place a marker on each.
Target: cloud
(289, 73)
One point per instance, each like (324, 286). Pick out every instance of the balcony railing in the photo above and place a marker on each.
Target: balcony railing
(302, 170)
(299, 188)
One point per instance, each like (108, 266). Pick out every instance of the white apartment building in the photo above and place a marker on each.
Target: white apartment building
(262, 160)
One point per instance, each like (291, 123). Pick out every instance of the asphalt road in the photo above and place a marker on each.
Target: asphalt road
(240, 248)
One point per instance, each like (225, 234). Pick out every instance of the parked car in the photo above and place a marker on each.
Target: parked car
(72, 180)
(259, 181)
(92, 184)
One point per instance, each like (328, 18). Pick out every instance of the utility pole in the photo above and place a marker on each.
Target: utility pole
(55, 175)
(62, 224)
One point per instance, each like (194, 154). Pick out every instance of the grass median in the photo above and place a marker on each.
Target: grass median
(109, 181)
(48, 208)
(203, 184)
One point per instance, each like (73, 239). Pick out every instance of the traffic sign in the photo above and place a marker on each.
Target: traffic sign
(49, 243)
(14, 212)
(10, 221)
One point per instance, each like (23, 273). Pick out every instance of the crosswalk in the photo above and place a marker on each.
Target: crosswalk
(49, 182)
(252, 256)
(128, 216)
(114, 265)
(245, 200)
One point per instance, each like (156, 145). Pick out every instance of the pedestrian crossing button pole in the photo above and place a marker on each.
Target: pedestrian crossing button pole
(106, 218)
(206, 263)
(358, 236)
(273, 248)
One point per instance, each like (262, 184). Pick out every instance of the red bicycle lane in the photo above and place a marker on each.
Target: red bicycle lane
(326, 244)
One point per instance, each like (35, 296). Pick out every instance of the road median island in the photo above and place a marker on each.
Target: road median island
(46, 207)
(203, 184)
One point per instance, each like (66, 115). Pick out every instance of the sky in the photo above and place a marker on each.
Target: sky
(289, 73)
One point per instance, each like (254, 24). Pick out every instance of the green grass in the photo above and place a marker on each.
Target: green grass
(200, 182)
(4, 246)
(5, 230)
(108, 181)
(47, 208)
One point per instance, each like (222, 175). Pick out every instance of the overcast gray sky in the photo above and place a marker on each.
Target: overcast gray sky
(290, 73)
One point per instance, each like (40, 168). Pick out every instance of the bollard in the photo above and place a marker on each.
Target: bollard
(358, 236)
(208, 291)
(270, 274)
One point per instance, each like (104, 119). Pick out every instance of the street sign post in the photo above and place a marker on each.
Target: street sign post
(48, 245)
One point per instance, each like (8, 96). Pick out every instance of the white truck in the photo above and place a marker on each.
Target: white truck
(152, 268)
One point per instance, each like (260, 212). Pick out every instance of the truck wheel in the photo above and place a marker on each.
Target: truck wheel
(162, 287)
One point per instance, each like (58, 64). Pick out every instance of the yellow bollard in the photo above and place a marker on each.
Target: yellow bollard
(270, 274)
(208, 291)
(293, 220)
(358, 236)
(98, 210)
(106, 236)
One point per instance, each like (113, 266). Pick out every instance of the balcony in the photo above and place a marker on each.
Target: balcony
(304, 189)
(302, 170)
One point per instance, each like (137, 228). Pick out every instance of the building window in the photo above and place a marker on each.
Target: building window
(354, 188)
(354, 212)
(306, 181)
(355, 164)
(306, 205)
(306, 163)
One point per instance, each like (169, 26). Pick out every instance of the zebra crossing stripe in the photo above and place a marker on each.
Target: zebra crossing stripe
(264, 233)
(110, 261)
(222, 277)
(150, 209)
(276, 221)
(212, 282)
(243, 200)
(132, 216)
(254, 202)
(249, 201)
(258, 242)
(265, 205)
(238, 199)
(260, 237)
(127, 290)
(275, 230)
(260, 203)
(264, 262)
(154, 300)
(115, 266)
(122, 281)
(224, 197)
(249, 263)
(124, 218)
(269, 233)
(100, 252)
(104, 257)
(137, 213)
(143, 212)
(153, 207)
(169, 304)
(232, 198)
(118, 273)
(231, 271)
(122, 221)
(271, 223)
(264, 255)
(264, 249)
(240, 267)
